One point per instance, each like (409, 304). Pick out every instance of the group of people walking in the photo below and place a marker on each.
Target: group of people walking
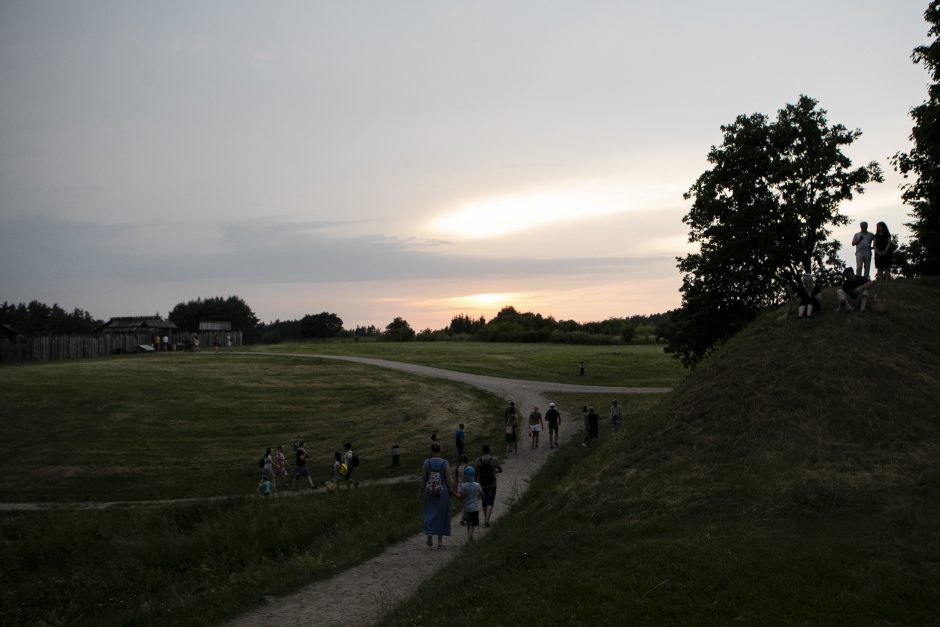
(853, 291)
(275, 473)
(474, 483)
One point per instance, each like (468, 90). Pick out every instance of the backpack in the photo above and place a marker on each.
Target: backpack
(355, 461)
(487, 474)
(434, 485)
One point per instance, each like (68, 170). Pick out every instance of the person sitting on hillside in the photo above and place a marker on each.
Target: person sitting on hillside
(854, 291)
(807, 291)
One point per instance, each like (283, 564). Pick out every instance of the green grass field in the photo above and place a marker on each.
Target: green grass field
(791, 479)
(180, 426)
(641, 365)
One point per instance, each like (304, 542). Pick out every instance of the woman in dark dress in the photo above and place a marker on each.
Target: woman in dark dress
(808, 293)
(884, 252)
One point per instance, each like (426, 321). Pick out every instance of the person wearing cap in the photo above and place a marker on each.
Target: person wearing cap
(553, 418)
(470, 492)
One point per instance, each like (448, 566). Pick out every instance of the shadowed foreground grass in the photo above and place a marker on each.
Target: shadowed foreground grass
(791, 479)
(191, 564)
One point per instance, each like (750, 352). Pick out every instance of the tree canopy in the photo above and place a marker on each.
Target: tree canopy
(398, 330)
(37, 318)
(923, 161)
(321, 326)
(187, 316)
(760, 217)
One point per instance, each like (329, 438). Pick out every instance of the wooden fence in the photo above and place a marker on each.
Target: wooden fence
(57, 348)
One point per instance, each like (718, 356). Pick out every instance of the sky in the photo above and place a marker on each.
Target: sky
(418, 159)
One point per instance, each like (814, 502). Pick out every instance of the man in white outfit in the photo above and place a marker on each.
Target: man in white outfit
(862, 242)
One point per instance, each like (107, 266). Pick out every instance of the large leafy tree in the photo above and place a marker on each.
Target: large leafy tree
(188, 315)
(321, 326)
(398, 330)
(923, 161)
(761, 215)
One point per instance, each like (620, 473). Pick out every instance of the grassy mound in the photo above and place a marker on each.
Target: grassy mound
(791, 478)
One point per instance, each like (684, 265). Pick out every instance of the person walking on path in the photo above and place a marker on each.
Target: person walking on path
(300, 466)
(553, 418)
(593, 424)
(486, 467)
(470, 492)
(587, 426)
(616, 416)
(435, 490)
(280, 467)
(535, 426)
(352, 461)
(862, 242)
(512, 442)
(459, 437)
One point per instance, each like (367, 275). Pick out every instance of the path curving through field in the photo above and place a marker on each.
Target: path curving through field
(364, 594)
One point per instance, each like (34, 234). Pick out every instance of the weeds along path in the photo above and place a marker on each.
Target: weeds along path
(364, 594)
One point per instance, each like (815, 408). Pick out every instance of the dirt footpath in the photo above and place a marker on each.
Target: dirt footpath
(364, 594)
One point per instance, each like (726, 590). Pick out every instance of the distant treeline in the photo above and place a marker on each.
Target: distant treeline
(509, 325)
(36, 319)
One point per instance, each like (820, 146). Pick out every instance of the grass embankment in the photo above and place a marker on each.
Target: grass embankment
(792, 478)
(643, 365)
(168, 426)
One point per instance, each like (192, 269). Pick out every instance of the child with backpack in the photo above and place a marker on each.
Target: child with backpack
(351, 460)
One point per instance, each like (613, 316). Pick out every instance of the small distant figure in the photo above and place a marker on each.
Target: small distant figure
(337, 469)
(854, 291)
(535, 426)
(808, 292)
(553, 418)
(280, 467)
(156, 342)
(587, 426)
(396, 455)
(216, 343)
(165, 344)
(195, 343)
(581, 368)
(300, 466)
(265, 487)
(486, 467)
(459, 436)
(470, 492)
(616, 416)
(509, 423)
(884, 252)
(267, 468)
(593, 424)
(862, 242)
(352, 462)
(228, 341)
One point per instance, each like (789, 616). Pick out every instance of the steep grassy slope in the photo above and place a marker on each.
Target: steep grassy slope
(793, 478)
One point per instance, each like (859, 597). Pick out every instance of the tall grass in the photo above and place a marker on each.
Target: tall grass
(791, 479)
(188, 564)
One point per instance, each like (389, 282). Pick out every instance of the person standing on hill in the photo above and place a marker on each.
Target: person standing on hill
(486, 468)
(862, 242)
(435, 490)
(884, 252)
(535, 426)
(510, 417)
(616, 416)
(553, 418)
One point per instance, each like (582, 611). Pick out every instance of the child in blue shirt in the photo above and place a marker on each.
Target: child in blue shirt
(470, 492)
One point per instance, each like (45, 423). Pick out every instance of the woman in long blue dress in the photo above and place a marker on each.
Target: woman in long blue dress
(435, 490)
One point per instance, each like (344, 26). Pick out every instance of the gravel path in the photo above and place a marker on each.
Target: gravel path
(364, 594)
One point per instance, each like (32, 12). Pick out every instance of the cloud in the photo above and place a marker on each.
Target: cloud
(42, 248)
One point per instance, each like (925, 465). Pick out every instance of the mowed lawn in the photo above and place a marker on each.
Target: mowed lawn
(183, 425)
(623, 365)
